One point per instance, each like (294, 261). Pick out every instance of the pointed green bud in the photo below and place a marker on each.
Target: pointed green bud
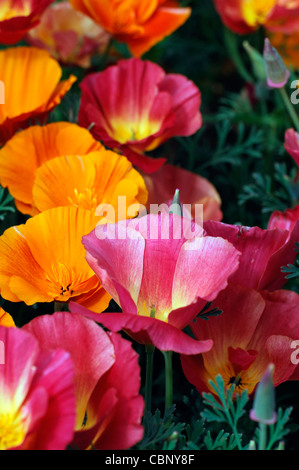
(252, 445)
(277, 73)
(176, 206)
(281, 446)
(263, 410)
(257, 62)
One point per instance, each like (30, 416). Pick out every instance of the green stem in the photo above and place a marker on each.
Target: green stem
(232, 47)
(231, 420)
(290, 108)
(149, 377)
(168, 379)
(263, 437)
(233, 425)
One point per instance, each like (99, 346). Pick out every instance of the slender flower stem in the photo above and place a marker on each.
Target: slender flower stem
(149, 377)
(263, 436)
(290, 108)
(168, 379)
(232, 47)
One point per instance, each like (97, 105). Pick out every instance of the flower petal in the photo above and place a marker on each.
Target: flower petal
(146, 330)
(64, 330)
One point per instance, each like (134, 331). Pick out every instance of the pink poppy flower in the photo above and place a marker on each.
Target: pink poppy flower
(37, 399)
(161, 274)
(109, 407)
(263, 253)
(254, 330)
(135, 106)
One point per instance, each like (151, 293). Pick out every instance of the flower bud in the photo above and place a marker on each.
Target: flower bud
(263, 410)
(176, 206)
(257, 62)
(276, 71)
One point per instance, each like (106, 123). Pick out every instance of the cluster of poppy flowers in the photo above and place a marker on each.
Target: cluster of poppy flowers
(71, 378)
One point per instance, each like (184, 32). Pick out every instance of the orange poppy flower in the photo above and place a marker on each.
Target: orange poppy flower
(88, 181)
(32, 87)
(18, 168)
(19, 16)
(287, 46)
(43, 260)
(6, 319)
(139, 23)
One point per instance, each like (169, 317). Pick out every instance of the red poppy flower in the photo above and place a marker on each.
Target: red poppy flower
(19, 16)
(135, 107)
(245, 16)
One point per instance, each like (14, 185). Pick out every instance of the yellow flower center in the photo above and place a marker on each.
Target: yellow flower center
(85, 200)
(244, 380)
(12, 430)
(256, 12)
(151, 311)
(6, 12)
(62, 282)
(123, 131)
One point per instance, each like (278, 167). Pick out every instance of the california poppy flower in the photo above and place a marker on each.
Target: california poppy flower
(263, 252)
(109, 406)
(161, 274)
(254, 330)
(245, 16)
(18, 17)
(140, 24)
(6, 319)
(23, 69)
(193, 190)
(37, 396)
(42, 143)
(68, 35)
(43, 260)
(134, 106)
(93, 181)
